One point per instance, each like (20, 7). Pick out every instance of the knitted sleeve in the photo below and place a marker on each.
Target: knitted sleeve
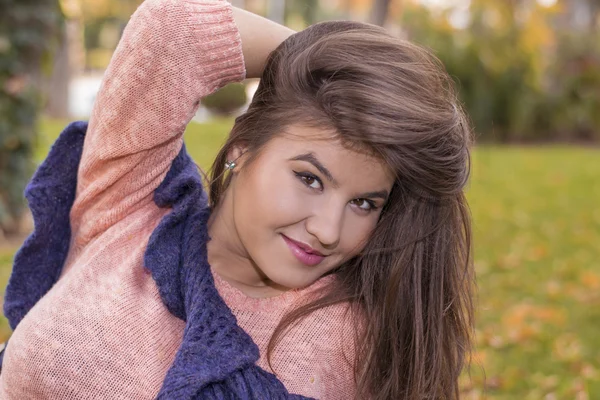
(171, 54)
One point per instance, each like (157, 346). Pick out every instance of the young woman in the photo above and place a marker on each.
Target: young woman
(338, 264)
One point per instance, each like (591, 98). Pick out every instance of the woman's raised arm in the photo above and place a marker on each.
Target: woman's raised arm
(172, 53)
(260, 36)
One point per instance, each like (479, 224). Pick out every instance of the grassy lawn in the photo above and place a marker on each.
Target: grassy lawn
(537, 253)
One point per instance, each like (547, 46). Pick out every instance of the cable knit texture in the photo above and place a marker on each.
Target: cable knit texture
(112, 296)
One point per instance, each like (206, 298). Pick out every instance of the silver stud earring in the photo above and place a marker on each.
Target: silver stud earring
(230, 165)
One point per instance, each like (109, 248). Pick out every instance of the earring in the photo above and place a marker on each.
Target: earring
(230, 165)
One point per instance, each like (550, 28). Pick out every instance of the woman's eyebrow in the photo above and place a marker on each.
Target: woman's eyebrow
(382, 194)
(310, 157)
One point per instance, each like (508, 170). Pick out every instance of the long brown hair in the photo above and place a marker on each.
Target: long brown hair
(413, 283)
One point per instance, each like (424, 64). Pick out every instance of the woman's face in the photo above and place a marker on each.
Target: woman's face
(305, 205)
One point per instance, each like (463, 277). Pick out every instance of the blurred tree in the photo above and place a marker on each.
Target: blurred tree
(308, 10)
(226, 101)
(57, 93)
(276, 11)
(573, 97)
(379, 11)
(580, 14)
(499, 59)
(27, 32)
(69, 60)
(104, 21)
(102, 9)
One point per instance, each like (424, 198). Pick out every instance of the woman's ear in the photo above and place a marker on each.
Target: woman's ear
(237, 155)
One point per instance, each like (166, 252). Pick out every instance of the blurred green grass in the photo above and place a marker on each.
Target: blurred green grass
(536, 228)
(537, 255)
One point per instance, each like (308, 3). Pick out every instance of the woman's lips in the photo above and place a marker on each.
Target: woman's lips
(304, 255)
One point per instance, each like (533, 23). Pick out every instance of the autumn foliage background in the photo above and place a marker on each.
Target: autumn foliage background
(528, 73)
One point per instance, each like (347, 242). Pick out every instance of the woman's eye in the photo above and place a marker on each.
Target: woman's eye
(364, 204)
(309, 180)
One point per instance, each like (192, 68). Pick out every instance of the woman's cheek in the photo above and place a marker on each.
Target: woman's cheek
(277, 193)
(358, 233)
(288, 198)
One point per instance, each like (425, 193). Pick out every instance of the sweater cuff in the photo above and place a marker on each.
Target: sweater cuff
(218, 43)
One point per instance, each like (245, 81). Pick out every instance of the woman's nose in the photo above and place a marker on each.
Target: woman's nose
(326, 224)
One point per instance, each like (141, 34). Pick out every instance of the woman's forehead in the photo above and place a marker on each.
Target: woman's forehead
(326, 138)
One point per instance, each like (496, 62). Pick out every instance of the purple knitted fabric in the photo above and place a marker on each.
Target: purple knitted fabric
(50, 193)
(216, 359)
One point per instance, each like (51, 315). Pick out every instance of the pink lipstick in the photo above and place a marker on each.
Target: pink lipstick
(305, 254)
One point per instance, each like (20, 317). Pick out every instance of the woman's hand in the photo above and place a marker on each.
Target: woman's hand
(260, 36)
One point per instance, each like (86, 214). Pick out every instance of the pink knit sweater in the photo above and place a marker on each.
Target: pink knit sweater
(103, 332)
